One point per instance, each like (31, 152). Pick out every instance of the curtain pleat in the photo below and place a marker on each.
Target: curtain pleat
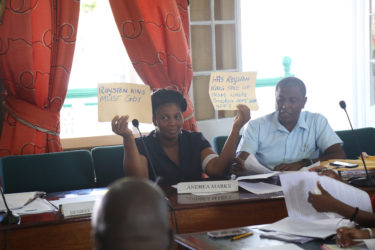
(37, 40)
(156, 36)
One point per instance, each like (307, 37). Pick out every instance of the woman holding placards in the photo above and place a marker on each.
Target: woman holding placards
(175, 155)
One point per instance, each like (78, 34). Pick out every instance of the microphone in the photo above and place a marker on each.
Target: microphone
(361, 181)
(135, 123)
(8, 217)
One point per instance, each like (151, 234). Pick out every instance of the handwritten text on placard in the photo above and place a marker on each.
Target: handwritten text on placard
(227, 89)
(124, 99)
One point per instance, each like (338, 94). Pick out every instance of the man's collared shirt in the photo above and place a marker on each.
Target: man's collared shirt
(273, 144)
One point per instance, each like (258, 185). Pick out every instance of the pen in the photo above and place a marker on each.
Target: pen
(242, 236)
(323, 170)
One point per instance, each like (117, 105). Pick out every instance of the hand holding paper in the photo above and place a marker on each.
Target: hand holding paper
(120, 126)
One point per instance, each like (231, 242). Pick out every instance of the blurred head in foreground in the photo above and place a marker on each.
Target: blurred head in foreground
(133, 214)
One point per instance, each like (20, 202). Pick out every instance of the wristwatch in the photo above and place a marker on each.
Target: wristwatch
(307, 162)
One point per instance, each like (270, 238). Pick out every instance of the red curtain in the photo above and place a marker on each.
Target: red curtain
(157, 38)
(37, 40)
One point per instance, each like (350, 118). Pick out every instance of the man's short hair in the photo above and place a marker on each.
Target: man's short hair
(133, 214)
(292, 81)
(166, 96)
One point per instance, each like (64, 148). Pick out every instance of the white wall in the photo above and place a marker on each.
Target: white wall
(317, 35)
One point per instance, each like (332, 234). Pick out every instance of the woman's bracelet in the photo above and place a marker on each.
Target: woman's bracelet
(371, 235)
(355, 214)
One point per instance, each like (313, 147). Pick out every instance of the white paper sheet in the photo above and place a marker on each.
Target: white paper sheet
(370, 243)
(18, 200)
(308, 228)
(361, 246)
(76, 199)
(253, 166)
(296, 186)
(258, 176)
(277, 247)
(259, 187)
(286, 237)
(37, 206)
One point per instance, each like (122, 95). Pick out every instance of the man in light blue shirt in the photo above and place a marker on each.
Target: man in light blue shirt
(288, 139)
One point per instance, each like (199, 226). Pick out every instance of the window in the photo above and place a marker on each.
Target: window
(214, 47)
(100, 57)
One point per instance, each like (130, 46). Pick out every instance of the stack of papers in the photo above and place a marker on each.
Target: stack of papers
(37, 206)
(303, 219)
(257, 171)
(27, 203)
(286, 237)
(18, 200)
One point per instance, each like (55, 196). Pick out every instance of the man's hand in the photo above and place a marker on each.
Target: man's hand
(322, 202)
(289, 166)
(120, 126)
(242, 117)
(321, 170)
(346, 235)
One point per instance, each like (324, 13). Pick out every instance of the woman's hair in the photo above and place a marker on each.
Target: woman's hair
(166, 96)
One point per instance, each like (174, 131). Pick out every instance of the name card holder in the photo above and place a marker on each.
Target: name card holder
(76, 209)
(207, 187)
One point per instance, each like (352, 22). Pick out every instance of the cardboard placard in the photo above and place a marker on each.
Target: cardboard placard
(228, 89)
(124, 99)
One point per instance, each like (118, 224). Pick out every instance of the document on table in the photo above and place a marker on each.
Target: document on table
(255, 170)
(253, 166)
(307, 228)
(286, 237)
(370, 243)
(18, 200)
(37, 206)
(296, 186)
(77, 199)
(259, 187)
(258, 176)
(303, 219)
(277, 247)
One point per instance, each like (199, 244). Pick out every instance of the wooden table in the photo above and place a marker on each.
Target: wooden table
(192, 214)
(201, 241)
(199, 213)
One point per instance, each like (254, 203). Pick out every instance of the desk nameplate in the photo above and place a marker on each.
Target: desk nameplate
(76, 209)
(207, 187)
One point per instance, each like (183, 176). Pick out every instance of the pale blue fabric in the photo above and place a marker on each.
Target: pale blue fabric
(273, 144)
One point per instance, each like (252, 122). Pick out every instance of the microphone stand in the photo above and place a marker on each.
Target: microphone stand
(8, 217)
(367, 181)
(135, 123)
(158, 178)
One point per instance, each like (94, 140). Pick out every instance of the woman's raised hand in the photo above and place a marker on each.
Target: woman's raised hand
(242, 117)
(120, 126)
